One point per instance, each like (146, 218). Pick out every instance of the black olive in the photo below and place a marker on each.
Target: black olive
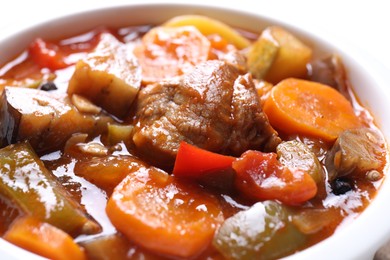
(341, 186)
(48, 86)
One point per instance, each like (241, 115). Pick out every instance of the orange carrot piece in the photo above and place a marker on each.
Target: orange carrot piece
(43, 239)
(107, 172)
(159, 213)
(309, 108)
(168, 52)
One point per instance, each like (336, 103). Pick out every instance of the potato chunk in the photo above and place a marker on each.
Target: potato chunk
(109, 76)
(209, 26)
(277, 55)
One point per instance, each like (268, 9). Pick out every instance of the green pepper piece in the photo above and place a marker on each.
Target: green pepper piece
(261, 232)
(296, 154)
(26, 182)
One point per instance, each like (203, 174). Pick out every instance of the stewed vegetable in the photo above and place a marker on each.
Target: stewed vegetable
(182, 140)
(260, 232)
(29, 185)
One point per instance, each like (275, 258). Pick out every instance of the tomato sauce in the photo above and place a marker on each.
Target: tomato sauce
(336, 202)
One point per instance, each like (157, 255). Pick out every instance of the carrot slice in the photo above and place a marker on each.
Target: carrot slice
(168, 52)
(159, 213)
(107, 172)
(43, 239)
(192, 161)
(304, 107)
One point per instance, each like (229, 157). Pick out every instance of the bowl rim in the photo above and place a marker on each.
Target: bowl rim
(361, 228)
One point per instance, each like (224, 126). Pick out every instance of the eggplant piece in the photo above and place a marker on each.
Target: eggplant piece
(356, 151)
(295, 154)
(27, 183)
(110, 76)
(261, 232)
(45, 119)
(311, 220)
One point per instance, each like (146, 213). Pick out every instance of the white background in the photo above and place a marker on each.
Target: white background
(365, 24)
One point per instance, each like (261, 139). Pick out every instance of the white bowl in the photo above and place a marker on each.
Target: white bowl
(356, 240)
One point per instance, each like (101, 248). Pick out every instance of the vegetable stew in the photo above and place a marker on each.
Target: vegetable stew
(183, 140)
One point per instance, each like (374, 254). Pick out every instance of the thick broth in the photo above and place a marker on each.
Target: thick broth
(337, 209)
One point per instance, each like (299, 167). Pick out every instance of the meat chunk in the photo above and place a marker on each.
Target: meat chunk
(46, 120)
(212, 107)
(109, 76)
(235, 58)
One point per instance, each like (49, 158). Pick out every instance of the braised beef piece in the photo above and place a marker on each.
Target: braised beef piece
(237, 59)
(212, 107)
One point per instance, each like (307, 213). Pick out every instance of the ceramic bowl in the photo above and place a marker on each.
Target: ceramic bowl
(357, 239)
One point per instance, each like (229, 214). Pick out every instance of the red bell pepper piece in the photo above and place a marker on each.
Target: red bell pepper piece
(192, 161)
(47, 55)
(261, 176)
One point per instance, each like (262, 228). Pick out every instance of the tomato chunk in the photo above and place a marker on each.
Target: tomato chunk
(168, 52)
(47, 55)
(261, 176)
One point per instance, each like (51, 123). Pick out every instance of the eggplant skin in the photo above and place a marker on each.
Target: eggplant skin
(355, 153)
(44, 119)
(9, 122)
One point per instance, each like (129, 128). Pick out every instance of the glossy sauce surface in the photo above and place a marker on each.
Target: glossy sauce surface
(325, 213)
